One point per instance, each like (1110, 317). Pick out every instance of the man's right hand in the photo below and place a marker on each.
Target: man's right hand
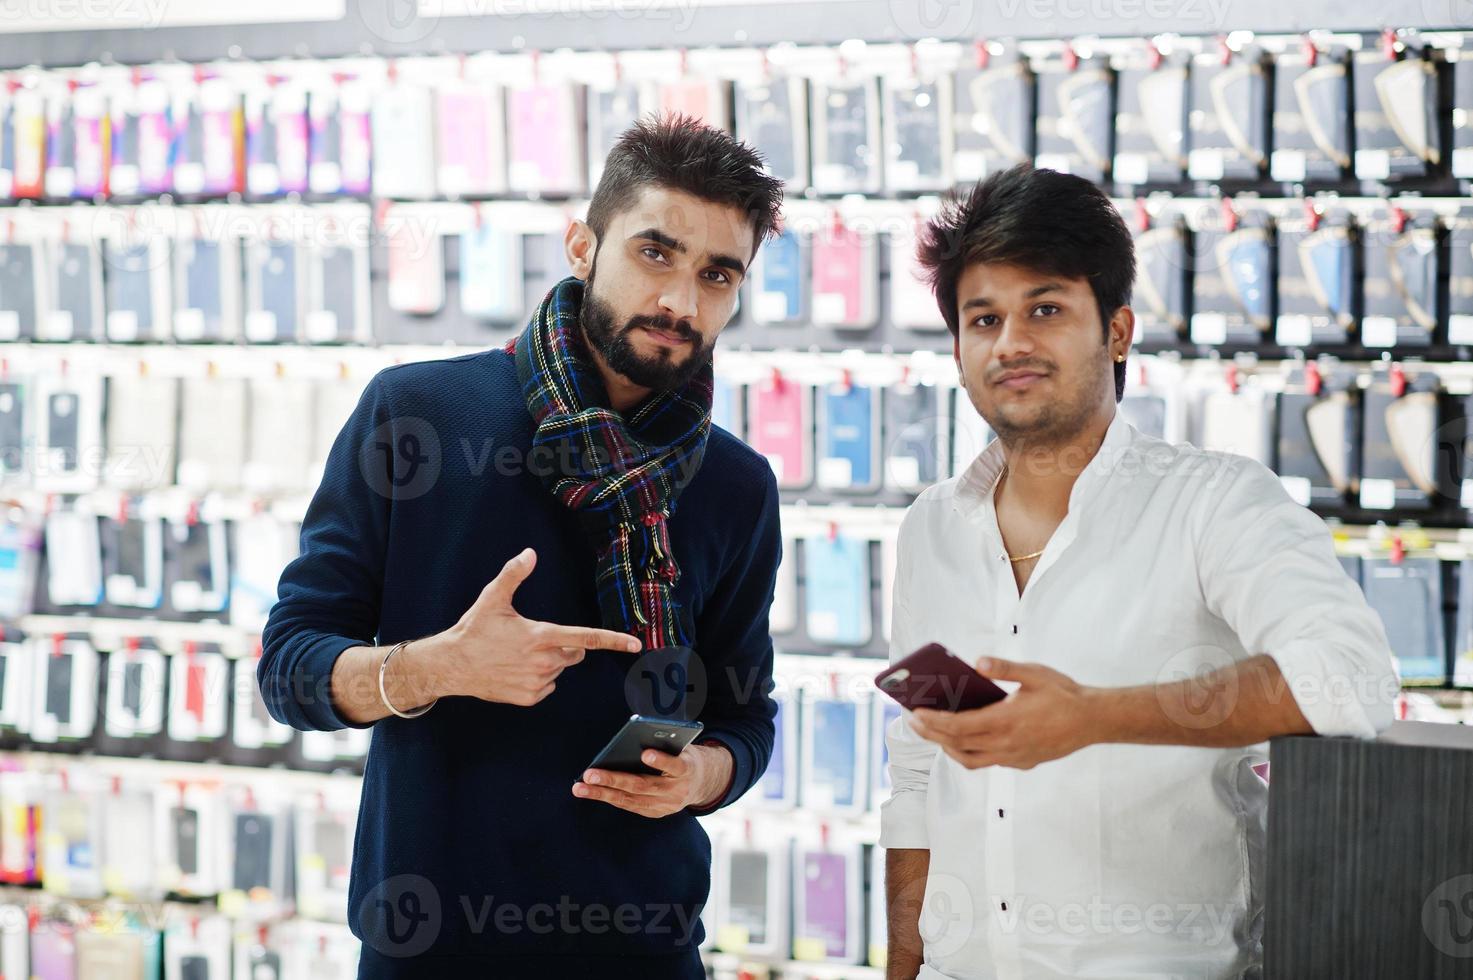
(495, 654)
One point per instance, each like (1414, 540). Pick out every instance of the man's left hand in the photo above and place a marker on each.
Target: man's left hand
(695, 777)
(1047, 717)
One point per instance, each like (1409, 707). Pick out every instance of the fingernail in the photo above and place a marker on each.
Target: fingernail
(595, 780)
(983, 664)
(578, 790)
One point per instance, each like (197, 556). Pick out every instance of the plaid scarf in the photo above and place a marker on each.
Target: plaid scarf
(621, 476)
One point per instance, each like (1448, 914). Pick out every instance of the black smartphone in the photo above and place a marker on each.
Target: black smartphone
(642, 732)
(186, 838)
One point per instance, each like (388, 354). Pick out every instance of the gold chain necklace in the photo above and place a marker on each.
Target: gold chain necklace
(1002, 476)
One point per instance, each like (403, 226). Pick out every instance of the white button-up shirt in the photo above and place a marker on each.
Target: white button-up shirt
(1119, 860)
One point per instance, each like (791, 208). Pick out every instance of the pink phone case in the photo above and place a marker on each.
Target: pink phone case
(543, 139)
(464, 138)
(934, 677)
(778, 425)
(837, 268)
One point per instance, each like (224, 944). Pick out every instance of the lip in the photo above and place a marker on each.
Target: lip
(1020, 380)
(668, 339)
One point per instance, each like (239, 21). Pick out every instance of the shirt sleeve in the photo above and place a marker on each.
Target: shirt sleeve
(328, 598)
(1267, 567)
(736, 652)
(903, 815)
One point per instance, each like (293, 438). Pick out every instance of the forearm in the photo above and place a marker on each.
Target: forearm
(906, 870)
(1241, 704)
(416, 675)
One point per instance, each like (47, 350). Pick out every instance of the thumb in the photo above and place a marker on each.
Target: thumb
(501, 588)
(998, 669)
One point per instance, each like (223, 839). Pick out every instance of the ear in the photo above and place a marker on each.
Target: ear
(1122, 332)
(579, 243)
(956, 355)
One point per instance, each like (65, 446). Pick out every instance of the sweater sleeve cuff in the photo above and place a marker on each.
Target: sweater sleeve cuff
(310, 695)
(741, 769)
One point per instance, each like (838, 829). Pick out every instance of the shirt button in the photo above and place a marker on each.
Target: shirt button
(1015, 629)
(1004, 906)
(999, 813)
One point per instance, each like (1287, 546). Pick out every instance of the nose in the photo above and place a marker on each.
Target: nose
(678, 298)
(1014, 339)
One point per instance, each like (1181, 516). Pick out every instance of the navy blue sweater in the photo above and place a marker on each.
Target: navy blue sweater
(472, 855)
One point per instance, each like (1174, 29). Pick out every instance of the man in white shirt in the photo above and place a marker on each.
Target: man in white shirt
(1163, 611)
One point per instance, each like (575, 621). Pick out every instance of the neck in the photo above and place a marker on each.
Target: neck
(1040, 478)
(623, 393)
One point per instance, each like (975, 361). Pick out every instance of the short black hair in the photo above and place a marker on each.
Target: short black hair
(1042, 220)
(678, 152)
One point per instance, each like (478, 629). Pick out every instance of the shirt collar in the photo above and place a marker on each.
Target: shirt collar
(977, 482)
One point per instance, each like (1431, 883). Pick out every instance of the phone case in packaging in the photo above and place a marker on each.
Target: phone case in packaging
(1396, 109)
(416, 262)
(21, 793)
(751, 900)
(1400, 281)
(274, 291)
(20, 549)
(199, 685)
(1311, 120)
(779, 279)
(1399, 449)
(782, 617)
(90, 139)
(845, 277)
(828, 902)
(258, 850)
(912, 303)
(71, 859)
(470, 124)
(703, 99)
(879, 917)
(323, 951)
(778, 787)
(1238, 421)
(140, 450)
(918, 134)
(136, 286)
(1318, 262)
(491, 272)
(73, 558)
(1460, 277)
(837, 590)
(128, 846)
(849, 438)
(135, 691)
(133, 560)
(64, 685)
(252, 726)
(27, 158)
(771, 116)
(264, 546)
(612, 109)
(1407, 595)
(847, 141)
(1232, 276)
(189, 824)
(61, 147)
(15, 696)
(281, 430)
(207, 281)
(197, 947)
(1319, 436)
(73, 306)
(15, 941)
(257, 952)
(1230, 116)
(21, 286)
(545, 128)
(404, 142)
(324, 854)
(994, 116)
(915, 430)
(118, 954)
(1150, 118)
(212, 433)
(195, 567)
(779, 426)
(1075, 120)
(53, 953)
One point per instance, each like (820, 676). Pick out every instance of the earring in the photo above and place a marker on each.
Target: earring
(1119, 358)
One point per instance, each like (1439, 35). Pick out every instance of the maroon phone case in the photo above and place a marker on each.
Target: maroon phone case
(933, 677)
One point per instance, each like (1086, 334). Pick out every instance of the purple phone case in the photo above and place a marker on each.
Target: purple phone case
(825, 901)
(933, 677)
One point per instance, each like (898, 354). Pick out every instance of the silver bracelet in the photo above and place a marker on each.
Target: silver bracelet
(384, 696)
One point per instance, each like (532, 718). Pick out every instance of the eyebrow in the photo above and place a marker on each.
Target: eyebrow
(1034, 293)
(674, 244)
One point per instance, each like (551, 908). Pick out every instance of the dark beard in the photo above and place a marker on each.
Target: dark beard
(658, 373)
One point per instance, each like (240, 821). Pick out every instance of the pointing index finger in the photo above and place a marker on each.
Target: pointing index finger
(589, 638)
